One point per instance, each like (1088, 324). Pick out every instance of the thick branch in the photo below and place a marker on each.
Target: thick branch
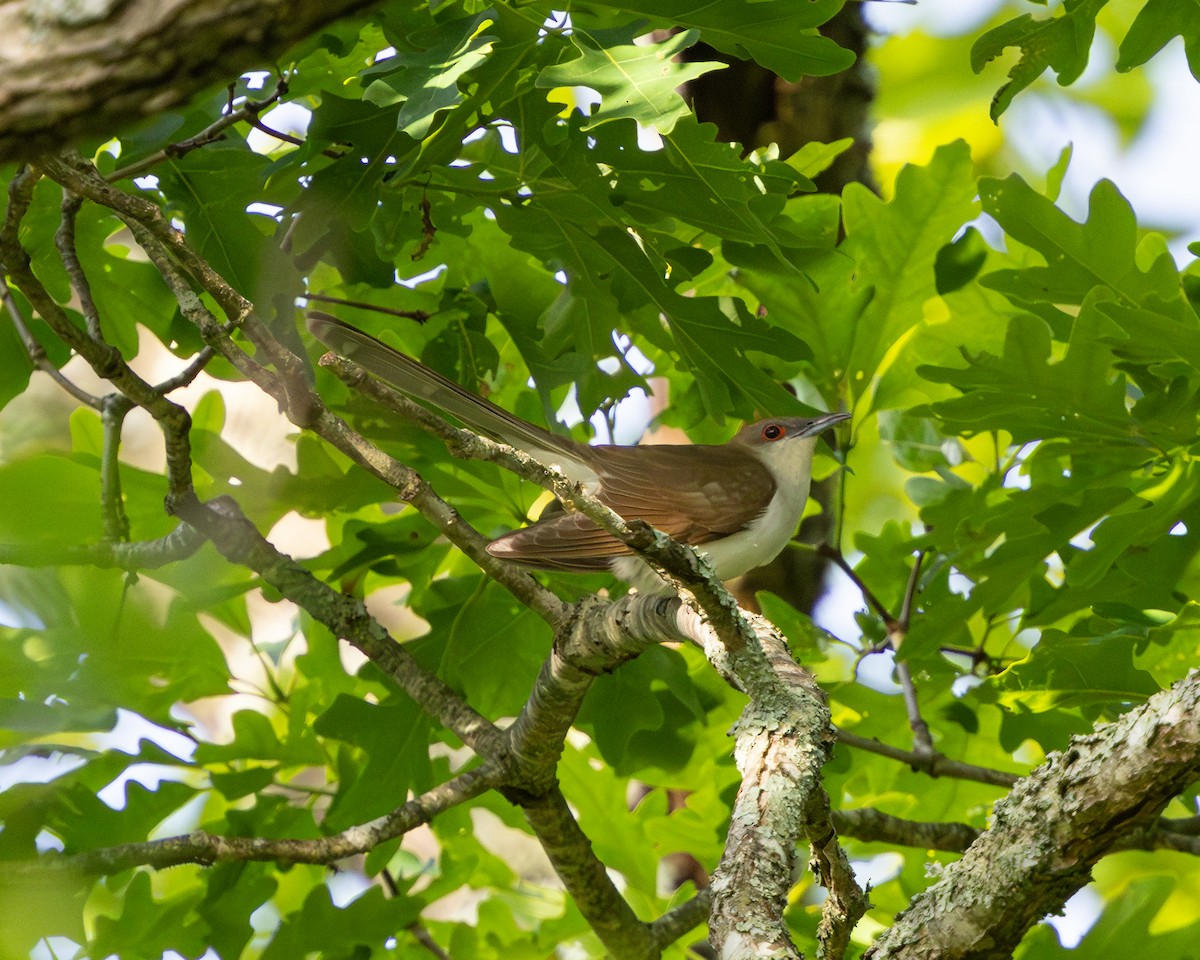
(1050, 830)
(131, 60)
(595, 639)
(585, 878)
(783, 738)
(240, 542)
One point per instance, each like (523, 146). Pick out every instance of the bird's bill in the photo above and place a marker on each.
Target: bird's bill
(822, 423)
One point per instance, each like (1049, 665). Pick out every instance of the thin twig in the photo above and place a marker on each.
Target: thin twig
(910, 590)
(922, 739)
(425, 939)
(679, 920)
(64, 239)
(249, 111)
(37, 354)
(188, 373)
(934, 764)
(420, 316)
(205, 848)
(277, 134)
(834, 554)
(112, 416)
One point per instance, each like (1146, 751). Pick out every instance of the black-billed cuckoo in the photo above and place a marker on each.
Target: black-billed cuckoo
(738, 502)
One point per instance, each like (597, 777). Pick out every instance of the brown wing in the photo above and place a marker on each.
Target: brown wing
(693, 493)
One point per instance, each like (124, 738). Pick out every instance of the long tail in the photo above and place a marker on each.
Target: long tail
(419, 382)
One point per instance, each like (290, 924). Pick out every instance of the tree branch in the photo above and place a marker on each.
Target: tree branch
(240, 542)
(584, 876)
(132, 60)
(783, 739)
(248, 112)
(37, 353)
(177, 545)
(935, 764)
(207, 849)
(1050, 830)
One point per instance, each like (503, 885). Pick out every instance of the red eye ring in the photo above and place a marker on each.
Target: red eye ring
(773, 431)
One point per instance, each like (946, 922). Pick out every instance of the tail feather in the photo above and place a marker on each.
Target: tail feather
(418, 381)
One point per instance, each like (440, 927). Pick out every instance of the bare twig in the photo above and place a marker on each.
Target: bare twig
(37, 354)
(679, 920)
(177, 545)
(897, 629)
(277, 134)
(425, 939)
(112, 416)
(910, 591)
(249, 112)
(64, 239)
(188, 373)
(420, 316)
(935, 764)
(835, 555)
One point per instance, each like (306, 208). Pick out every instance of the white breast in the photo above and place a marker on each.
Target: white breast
(763, 540)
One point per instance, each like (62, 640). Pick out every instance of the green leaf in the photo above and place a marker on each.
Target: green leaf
(636, 81)
(1101, 251)
(1156, 24)
(394, 738)
(211, 190)
(1063, 670)
(778, 34)
(1062, 43)
(482, 643)
(640, 715)
(49, 498)
(367, 923)
(1033, 396)
(426, 82)
(895, 247)
(959, 262)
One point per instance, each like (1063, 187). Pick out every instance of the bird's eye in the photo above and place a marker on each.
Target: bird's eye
(772, 431)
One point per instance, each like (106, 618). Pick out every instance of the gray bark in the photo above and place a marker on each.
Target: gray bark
(70, 69)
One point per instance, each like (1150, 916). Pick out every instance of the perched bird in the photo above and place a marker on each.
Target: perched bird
(739, 502)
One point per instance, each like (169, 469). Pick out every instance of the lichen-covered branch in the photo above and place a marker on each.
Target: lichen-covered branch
(784, 737)
(1048, 832)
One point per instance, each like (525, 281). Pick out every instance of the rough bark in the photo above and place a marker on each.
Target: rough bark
(1048, 833)
(70, 69)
